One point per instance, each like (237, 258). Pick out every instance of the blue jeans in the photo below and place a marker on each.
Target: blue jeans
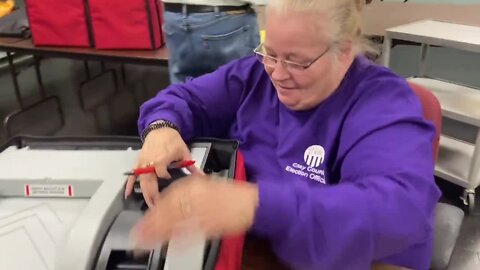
(199, 43)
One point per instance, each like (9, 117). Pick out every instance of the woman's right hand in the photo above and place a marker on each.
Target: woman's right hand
(160, 148)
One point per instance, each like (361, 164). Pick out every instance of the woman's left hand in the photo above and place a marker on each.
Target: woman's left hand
(216, 206)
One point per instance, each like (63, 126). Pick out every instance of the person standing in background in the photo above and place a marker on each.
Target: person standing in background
(202, 35)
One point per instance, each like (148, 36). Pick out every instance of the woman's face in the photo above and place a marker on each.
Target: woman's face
(295, 38)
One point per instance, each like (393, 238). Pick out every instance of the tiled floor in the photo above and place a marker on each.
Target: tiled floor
(118, 113)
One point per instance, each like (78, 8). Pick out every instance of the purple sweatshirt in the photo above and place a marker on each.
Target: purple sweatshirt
(345, 184)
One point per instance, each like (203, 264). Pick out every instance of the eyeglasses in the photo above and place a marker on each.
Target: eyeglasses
(292, 67)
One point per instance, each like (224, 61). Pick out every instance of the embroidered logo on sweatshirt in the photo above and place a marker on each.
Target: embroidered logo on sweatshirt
(314, 155)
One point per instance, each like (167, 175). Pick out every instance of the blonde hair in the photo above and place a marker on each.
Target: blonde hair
(344, 16)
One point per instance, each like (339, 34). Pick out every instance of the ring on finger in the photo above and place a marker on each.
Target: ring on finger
(149, 164)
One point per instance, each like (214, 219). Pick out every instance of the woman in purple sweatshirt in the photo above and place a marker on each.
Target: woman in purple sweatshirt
(338, 155)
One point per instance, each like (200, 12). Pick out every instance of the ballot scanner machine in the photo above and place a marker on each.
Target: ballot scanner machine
(62, 205)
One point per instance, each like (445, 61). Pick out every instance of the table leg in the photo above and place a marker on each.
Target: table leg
(386, 49)
(423, 60)
(474, 172)
(473, 177)
(41, 87)
(87, 70)
(14, 74)
(123, 74)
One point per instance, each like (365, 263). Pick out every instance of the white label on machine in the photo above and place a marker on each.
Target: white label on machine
(46, 190)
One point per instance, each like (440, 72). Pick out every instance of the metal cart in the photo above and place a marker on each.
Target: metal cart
(458, 161)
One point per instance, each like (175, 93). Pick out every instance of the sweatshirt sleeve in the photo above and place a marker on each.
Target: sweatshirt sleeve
(203, 107)
(384, 202)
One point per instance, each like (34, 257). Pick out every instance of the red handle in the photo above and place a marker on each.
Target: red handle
(151, 169)
(145, 170)
(181, 164)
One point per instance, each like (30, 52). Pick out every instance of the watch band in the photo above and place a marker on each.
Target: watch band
(157, 125)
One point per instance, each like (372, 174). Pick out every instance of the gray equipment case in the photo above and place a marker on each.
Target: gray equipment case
(62, 205)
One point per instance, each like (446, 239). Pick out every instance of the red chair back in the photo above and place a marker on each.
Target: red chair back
(432, 111)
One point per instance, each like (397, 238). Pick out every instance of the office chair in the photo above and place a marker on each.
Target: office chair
(448, 218)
